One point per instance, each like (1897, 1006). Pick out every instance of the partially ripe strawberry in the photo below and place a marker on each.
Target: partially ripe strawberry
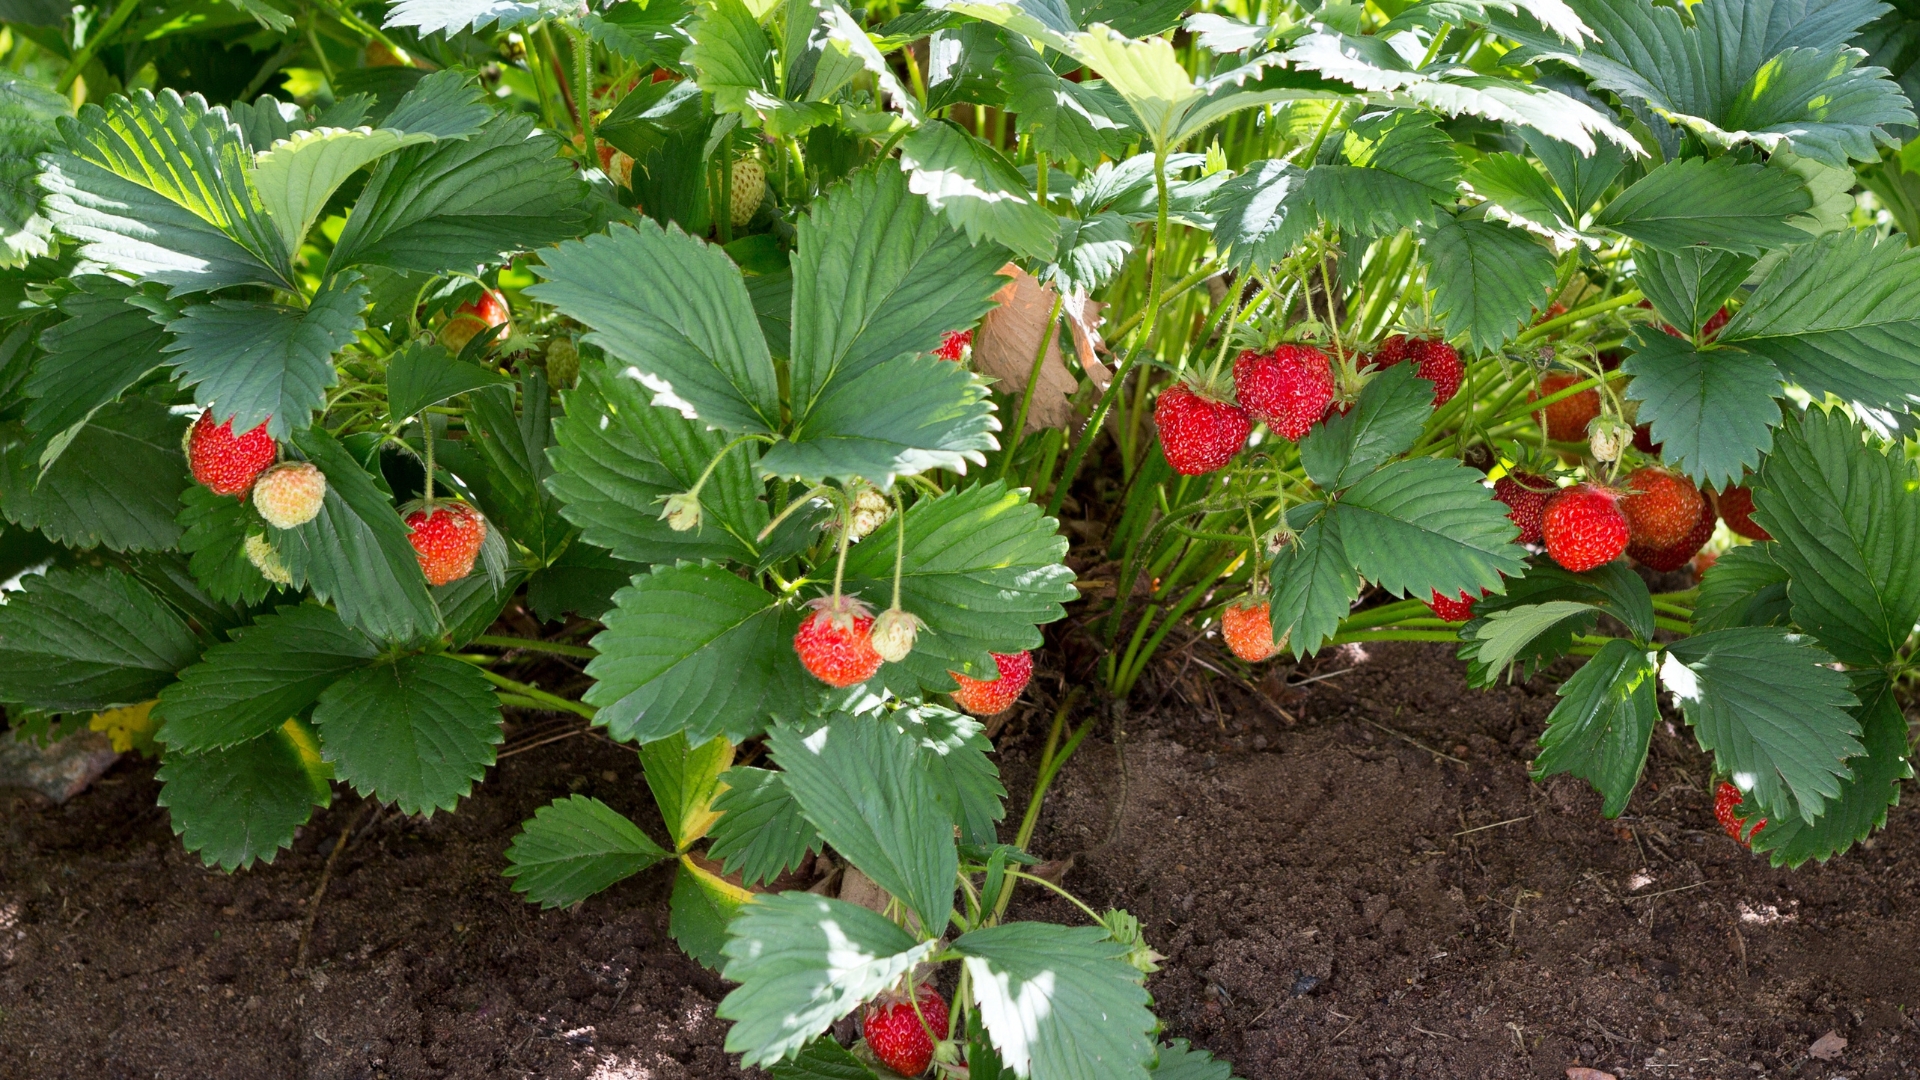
(1726, 799)
(1583, 527)
(288, 496)
(1526, 497)
(1677, 555)
(266, 560)
(1434, 360)
(894, 633)
(1198, 434)
(749, 188)
(1247, 625)
(835, 642)
(226, 465)
(1554, 311)
(1661, 507)
(1736, 509)
(447, 540)
(954, 344)
(1567, 419)
(1287, 389)
(473, 317)
(992, 696)
(900, 1038)
(1453, 608)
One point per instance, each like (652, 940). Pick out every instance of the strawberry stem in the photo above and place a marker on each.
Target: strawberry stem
(846, 541)
(426, 441)
(899, 550)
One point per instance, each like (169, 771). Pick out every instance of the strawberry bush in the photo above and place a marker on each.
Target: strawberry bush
(771, 342)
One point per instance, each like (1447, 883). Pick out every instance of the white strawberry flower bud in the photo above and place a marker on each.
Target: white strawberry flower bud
(870, 511)
(266, 560)
(1608, 438)
(288, 496)
(893, 634)
(682, 512)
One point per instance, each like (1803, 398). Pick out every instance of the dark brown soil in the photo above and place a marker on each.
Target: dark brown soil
(1325, 910)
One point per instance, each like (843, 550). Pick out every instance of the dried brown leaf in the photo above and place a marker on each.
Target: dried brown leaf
(1009, 338)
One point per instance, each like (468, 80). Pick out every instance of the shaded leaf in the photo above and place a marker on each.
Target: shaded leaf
(575, 847)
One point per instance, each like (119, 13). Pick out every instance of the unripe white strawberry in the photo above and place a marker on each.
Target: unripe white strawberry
(1608, 438)
(893, 634)
(266, 560)
(682, 512)
(749, 188)
(289, 495)
(870, 511)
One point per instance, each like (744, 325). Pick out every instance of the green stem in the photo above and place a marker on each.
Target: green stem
(500, 641)
(83, 57)
(1383, 615)
(1534, 333)
(426, 441)
(1684, 627)
(558, 704)
(583, 64)
(1091, 914)
(1394, 635)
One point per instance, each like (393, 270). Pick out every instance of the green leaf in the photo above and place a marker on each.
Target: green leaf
(117, 485)
(983, 567)
(452, 16)
(1715, 203)
(1087, 121)
(1581, 177)
(422, 375)
(28, 113)
(503, 463)
(699, 910)
(1688, 287)
(1843, 516)
(1428, 525)
(1511, 183)
(1713, 412)
(695, 649)
(1502, 636)
(299, 174)
(1145, 73)
(73, 640)
(954, 750)
(1745, 587)
(445, 104)
(1059, 1001)
(581, 581)
(575, 847)
(100, 351)
(243, 804)
(1771, 711)
(1392, 411)
(355, 553)
(646, 34)
(1864, 797)
(451, 205)
(905, 416)
(214, 532)
(1487, 279)
(823, 1059)
(158, 188)
(1614, 589)
(845, 52)
(761, 833)
(469, 605)
(1840, 315)
(731, 57)
(253, 362)
(264, 675)
(683, 778)
(802, 962)
(674, 312)
(1314, 586)
(417, 731)
(1180, 1061)
(1600, 728)
(862, 785)
(977, 189)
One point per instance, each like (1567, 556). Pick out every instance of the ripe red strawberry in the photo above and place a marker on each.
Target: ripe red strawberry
(1526, 497)
(900, 1038)
(473, 317)
(1567, 419)
(991, 696)
(1678, 555)
(1583, 527)
(1287, 389)
(835, 642)
(288, 496)
(1554, 311)
(954, 344)
(1736, 509)
(226, 465)
(1709, 331)
(1247, 625)
(1661, 507)
(446, 540)
(1434, 360)
(1198, 434)
(1643, 440)
(1453, 609)
(1725, 800)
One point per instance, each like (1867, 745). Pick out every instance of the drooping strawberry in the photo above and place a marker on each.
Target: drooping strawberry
(1677, 555)
(1726, 799)
(1526, 497)
(1567, 419)
(1434, 360)
(1661, 507)
(901, 1038)
(1453, 608)
(472, 318)
(1247, 624)
(1198, 434)
(1288, 389)
(225, 464)
(1736, 509)
(288, 496)
(954, 345)
(1583, 527)
(835, 642)
(446, 538)
(988, 697)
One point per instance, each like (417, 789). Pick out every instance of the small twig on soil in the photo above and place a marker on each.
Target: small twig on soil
(1328, 675)
(1415, 742)
(568, 734)
(1436, 1034)
(1495, 825)
(1667, 892)
(320, 890)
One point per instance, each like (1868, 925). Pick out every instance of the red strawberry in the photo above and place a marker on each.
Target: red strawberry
(1643, 440)
(1567, 419)
(226, 465)
(1434, 360)
(288, 496)
(1736, 509)
(1725, 799)
(1661, 507)
(835, 642)
(991, 696)
(473, 317)
(1287, 389)
(446, 540)
(1678, 555)
(1453, 609)
(901, 1038)
(1526, 496)
(1198, 434)
(954, 344)
(1554, 311)
(1247, 625)
(1583, 527)
(1708, 332)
